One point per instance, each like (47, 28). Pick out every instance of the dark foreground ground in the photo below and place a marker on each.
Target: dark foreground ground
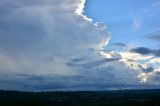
(87, 98)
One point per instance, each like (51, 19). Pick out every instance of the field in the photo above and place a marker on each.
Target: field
(81, 98)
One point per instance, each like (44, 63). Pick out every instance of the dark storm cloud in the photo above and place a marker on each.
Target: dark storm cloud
(149, 69)
(141, 50)
(146, 70)
(146, 51)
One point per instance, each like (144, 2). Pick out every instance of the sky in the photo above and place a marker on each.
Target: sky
(79, 45)
(128, 20)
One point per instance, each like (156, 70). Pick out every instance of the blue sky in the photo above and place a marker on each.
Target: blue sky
(66, 45)
(127, 20)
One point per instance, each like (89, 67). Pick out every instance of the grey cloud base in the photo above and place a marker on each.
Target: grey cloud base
(145, 51)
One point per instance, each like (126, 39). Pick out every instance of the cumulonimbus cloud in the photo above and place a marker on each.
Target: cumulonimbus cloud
(51, 41)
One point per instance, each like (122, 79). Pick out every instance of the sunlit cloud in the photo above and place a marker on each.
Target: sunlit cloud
(147, 65)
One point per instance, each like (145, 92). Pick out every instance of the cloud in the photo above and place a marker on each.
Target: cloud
(51, 45)
(37, 39)
(141, 50)
(119, 44)
(92, 64)
(145, 51)
(137, 24)
(150, 69)
(146, 65)
(153, 36)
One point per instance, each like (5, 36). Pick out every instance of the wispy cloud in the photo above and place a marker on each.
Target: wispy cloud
(119, 44)
(153, 36)
(137, 24)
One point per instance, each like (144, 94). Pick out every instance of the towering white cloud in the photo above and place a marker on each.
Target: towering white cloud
(39, 38)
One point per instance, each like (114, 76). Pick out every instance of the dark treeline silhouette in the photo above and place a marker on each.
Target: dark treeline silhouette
(81, 98)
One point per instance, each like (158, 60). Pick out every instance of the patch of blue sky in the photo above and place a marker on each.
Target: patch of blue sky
(127, 20)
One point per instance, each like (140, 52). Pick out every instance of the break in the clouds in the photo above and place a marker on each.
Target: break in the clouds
(51, 45)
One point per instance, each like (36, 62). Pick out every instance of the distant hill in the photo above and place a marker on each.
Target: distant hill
(81, 98)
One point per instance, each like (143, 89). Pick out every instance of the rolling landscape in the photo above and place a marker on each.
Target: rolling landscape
(81, 98)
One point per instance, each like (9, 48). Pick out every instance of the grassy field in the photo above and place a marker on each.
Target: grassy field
(81, 98)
